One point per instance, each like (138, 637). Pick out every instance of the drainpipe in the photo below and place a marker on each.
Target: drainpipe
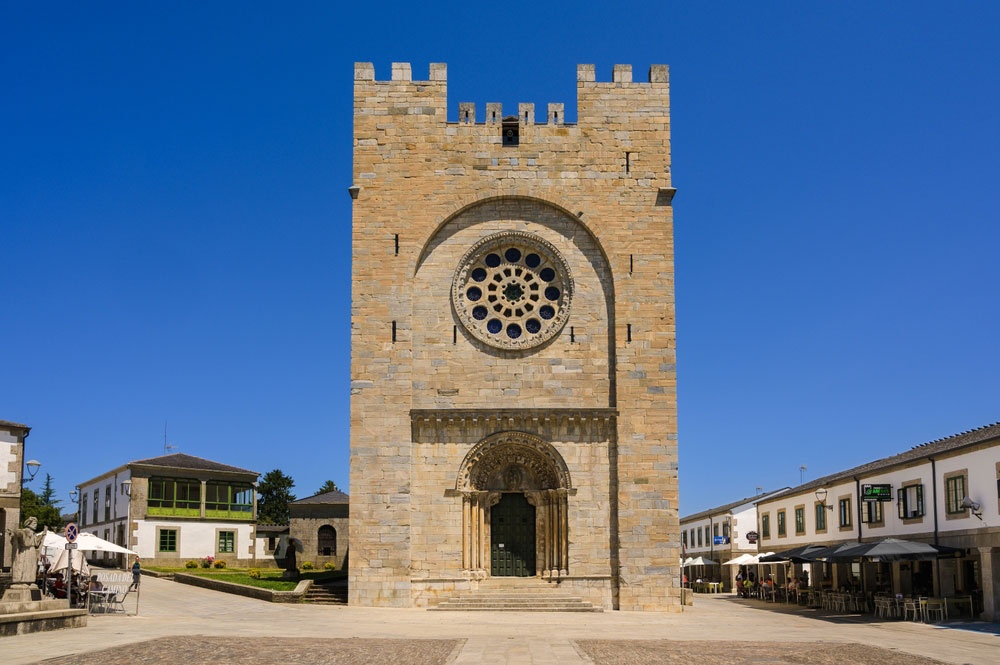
(934, 496)
(857, 490)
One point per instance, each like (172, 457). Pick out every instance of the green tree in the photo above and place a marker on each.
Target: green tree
(274, 493)
(328, 486)
(33, 506)
(48, 495)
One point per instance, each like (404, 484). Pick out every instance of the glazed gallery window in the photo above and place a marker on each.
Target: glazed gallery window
(167, 540)
(954, 493)
(765, 525)
(845, 512)
(781, 523)
(800, 521)
(910, 501)
(227, 542)
(174, 496)
(820, 517)
(228, 499)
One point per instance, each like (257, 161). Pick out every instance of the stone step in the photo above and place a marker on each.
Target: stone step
(515, 595)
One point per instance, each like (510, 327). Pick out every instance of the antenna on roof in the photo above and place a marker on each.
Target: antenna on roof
(166, 446)
(759, 489)
(802, 470)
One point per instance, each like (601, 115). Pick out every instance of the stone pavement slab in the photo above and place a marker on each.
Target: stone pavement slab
(175, 611)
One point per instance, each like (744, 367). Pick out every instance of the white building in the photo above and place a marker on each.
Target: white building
(723, 533)
(176, 508)
(946, 492)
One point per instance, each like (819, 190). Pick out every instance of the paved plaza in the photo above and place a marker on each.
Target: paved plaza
(180, 623)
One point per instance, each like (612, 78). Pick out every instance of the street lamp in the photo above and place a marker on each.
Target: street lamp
(32, 465)
(74, 496)
(821, 497)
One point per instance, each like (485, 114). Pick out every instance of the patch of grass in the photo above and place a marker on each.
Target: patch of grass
(271, 581)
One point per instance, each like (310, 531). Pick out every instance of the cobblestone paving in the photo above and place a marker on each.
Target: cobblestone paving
(668, 652)
(195, 650)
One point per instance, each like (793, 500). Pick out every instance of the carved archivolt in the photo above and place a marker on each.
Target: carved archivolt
(513, 462)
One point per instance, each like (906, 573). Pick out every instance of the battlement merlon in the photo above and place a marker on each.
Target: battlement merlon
(596, 100)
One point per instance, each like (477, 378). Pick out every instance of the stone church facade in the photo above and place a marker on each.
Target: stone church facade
(513, 378)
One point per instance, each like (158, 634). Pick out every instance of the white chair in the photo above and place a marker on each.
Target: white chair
(935, 607)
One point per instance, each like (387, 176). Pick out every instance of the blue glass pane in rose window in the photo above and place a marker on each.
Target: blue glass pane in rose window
(532, 325)
(494, 326)
(479, 313)
(492, 260)
(513, 255)
(513, 331)
(532, 260)
(474, 293)
(546, 312)
(552, 293)
(479, 274)
(548, 274)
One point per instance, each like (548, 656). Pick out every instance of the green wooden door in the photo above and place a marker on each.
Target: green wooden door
(512, 537)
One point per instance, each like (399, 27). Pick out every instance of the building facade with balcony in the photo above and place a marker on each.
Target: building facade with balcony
(945, 492)
(171, 509)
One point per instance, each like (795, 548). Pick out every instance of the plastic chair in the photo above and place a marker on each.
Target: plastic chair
(932, 607)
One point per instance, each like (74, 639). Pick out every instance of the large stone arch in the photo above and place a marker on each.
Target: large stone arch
(515, 462)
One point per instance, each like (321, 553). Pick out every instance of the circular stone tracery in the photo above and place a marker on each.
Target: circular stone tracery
(512, 290)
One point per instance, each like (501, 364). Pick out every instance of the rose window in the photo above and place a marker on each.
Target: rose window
(512, 290)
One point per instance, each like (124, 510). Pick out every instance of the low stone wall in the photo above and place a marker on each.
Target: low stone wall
(269, 595)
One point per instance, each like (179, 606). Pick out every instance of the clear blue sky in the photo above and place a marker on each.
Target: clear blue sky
(175, 222)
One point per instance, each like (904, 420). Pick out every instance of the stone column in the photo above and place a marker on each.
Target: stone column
(466, 535)
(989, 565)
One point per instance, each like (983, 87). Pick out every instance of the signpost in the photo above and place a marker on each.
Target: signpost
(72, 531)
(876, 492)
(752, 537)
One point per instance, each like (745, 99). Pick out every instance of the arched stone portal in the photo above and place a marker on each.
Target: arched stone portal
(515, 463)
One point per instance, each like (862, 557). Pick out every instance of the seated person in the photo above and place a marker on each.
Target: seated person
(95, 584)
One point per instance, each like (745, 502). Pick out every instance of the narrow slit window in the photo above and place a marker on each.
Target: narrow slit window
(396, 240)
(628, 162)
(393, 332)
(454, 334)
(631, 263)
(628, 332)
(572, 335)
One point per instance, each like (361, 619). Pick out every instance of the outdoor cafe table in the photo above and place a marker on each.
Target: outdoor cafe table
(958, 600)
(99, 600)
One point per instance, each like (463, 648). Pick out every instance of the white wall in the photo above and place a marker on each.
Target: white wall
(195, 540)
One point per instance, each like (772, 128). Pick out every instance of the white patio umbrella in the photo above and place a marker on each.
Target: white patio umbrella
(53, 544)
(79, 563)
(91, 543)
(699, 561)
(741, 560)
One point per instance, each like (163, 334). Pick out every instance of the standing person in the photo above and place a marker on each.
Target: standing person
(136, 574)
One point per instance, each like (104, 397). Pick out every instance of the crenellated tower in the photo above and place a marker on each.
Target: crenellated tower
(513, 377)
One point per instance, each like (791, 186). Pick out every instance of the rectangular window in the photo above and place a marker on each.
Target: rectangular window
(910, 502)
(107, 504)
(97, 497)
(168, 540)
(83, 511)
(954, 493)
(699, 537)
(800, 520)
(725, 530)
(845, 513)
(871, 512)
(174, 496)
(685, 534)
(820, 517)
(781, 524)
(227, 542)
(765, 525)
(715, 530)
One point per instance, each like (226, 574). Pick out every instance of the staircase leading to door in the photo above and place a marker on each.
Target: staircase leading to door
(516, 594)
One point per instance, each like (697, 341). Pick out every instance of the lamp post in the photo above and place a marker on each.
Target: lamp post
(32, 466)
(821, 495)
(127, 489)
